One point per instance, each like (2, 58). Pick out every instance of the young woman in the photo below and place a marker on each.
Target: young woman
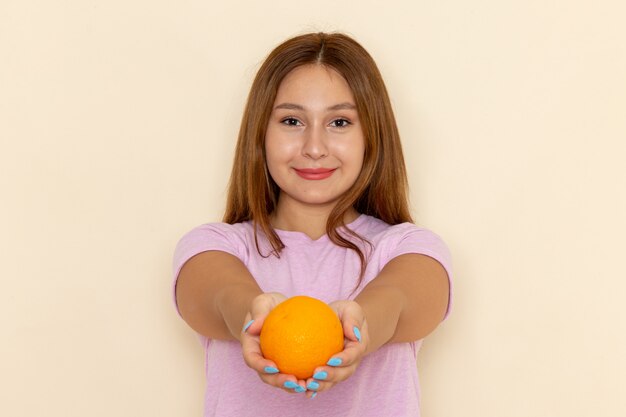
(317, 206)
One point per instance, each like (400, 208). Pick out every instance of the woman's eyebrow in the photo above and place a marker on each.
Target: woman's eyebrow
(292, 106)
(343, 106)
(289, 106)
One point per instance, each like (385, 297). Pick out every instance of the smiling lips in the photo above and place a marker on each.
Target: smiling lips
(315, 174)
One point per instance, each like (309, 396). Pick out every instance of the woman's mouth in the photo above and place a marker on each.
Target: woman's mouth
(315, 173)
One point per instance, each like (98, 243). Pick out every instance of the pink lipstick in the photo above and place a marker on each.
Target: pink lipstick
(314, 174)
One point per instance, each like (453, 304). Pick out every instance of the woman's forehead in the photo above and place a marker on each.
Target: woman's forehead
(315, 85)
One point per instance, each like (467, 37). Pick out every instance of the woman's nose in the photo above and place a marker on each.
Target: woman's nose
(315, 146)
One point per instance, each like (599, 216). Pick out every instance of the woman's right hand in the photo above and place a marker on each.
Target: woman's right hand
(251, 347)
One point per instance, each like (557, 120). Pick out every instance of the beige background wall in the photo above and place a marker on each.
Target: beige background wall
(117, 127)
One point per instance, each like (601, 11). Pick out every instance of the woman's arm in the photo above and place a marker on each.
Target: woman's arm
(406, 301)
(214, 293)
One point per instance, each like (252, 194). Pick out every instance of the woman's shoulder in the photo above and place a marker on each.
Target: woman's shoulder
(217, 229)
(392, 237)
(372, 227)
(232, 238)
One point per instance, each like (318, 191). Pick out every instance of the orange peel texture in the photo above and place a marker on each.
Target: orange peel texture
(300, 334)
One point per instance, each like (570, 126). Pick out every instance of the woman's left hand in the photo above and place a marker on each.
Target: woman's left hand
(342, 365)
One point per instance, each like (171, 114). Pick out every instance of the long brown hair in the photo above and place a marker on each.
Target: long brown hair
(381, 188)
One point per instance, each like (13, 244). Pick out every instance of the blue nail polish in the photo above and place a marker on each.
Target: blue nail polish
(314, 394)
(270, 370)
(248, 324)
(321, 375)
(299, 389)
(334, 362)
(290, 384)
(313, 385)
(357, 333)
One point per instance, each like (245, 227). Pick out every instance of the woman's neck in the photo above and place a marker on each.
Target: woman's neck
(310, 220)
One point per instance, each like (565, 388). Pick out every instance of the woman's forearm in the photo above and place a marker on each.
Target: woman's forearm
(406, 301)
(233, 303)
(214, 292)
(382, 306)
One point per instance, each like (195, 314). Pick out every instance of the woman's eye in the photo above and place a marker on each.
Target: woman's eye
(340, 123)
(290, 121)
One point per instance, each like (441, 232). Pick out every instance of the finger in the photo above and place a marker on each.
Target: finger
(287, 383)
(311, 394)
(253, 325)
(326, 377)
(272, 376)
(296, 387)
(342, 365)
(353, 327)
(352, 353)
(314, 386)
(319, 382)
(352, 319)
(251, 349)
(254, 358)
(261, 306)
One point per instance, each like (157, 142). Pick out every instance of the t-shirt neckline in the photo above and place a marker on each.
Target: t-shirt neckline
(297, 235)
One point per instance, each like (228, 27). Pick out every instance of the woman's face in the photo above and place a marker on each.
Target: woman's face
(314, 142)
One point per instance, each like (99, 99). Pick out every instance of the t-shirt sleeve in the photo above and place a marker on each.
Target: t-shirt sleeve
(412, 239)
(213, 236)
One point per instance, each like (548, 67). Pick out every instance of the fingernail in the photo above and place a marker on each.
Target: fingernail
(322, 375)
(357, 333)
(290, 385)
(248, 324)
(334, 362)
(299, 389)
(314, 394)
(313, 385)
(270, 370)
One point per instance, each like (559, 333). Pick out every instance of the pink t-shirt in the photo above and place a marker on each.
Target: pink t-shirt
(385, 383)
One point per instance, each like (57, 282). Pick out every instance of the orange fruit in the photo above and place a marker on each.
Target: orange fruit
(300, 334)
